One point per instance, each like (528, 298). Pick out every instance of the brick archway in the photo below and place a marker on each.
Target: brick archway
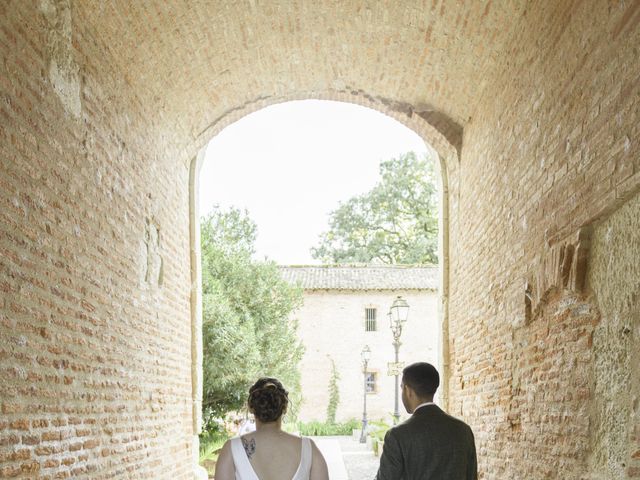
(447, 155)
(532, 107)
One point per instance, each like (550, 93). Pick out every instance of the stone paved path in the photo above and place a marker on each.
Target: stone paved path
(359, 460)
(348, 459)
(330, 448)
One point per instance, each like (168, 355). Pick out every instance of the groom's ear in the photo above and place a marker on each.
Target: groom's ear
(411, 393)
(407, 389)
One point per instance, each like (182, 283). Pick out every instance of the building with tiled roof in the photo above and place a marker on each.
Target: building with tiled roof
(362, 277)
(345, 308)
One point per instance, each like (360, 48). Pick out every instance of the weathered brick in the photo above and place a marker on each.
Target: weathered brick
(31, 439)
(39, 423)
(9, 471)
(51, 463)
(30, 467)
(22, 454)
(45, 450)
(22, 424)
(75, 446)
(53, 435)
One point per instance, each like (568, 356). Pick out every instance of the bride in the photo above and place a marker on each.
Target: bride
(269, 453)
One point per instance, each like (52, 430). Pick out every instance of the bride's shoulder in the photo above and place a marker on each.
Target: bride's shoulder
(293, 436)
(224, 466)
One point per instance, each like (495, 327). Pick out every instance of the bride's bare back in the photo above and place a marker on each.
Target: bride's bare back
(271, 454)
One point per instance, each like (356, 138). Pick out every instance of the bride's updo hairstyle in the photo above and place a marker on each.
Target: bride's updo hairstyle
(268, 399)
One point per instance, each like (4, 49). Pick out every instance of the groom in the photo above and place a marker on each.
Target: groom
(430, 445)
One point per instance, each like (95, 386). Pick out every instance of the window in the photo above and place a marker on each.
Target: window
(371, 384)
(370, 316)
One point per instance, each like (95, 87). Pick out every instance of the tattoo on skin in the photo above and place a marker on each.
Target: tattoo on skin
(249, 446)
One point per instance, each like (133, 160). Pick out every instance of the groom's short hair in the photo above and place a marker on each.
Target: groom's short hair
(422, 377)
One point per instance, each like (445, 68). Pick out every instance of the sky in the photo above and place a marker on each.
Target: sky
(289, 165)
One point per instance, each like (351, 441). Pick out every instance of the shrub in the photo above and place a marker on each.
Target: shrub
(377, 430)
(211, 441)
(320, 429)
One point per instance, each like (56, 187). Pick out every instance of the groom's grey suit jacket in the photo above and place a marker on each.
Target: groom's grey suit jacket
(430, 445)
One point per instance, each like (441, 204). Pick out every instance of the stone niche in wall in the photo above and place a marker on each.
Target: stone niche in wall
(150, 256)
(561, 267)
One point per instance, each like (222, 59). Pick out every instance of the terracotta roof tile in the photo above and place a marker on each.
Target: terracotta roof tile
(362, 277)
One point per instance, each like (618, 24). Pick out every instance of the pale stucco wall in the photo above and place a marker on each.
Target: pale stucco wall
(332, 326)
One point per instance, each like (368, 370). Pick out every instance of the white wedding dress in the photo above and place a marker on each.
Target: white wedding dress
(244, 470)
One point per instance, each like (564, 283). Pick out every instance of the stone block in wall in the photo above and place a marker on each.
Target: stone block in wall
(150, 256)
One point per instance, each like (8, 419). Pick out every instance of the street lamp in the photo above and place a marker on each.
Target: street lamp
(398, 314)
(365, 355)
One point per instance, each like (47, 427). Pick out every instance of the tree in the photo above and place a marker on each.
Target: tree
(396, 222)
(247, 331)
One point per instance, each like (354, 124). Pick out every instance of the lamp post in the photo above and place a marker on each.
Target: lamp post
(365, 355)
(398, 314)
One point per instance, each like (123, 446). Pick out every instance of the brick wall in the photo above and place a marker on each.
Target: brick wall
(95, 342)
(551, 147)
(103, 105)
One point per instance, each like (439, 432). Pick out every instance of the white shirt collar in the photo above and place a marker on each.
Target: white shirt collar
(422, 405)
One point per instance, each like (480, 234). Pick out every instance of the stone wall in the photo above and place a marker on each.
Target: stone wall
(614, 278)
(95, 326)
(537, 354)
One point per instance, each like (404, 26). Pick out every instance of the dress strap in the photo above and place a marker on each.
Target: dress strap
(306, 453)
(244, 470)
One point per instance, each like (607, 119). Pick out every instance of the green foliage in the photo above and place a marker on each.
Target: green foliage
(246, 308)
(394, 223)
(334, 393)
(377, 430)
(321, 429)
(290, 427)
(210, 443)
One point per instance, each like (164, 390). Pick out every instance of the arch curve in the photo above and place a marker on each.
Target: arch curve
(438, 131)
(435, 139)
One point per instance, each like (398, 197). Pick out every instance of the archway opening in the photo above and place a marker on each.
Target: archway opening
(316, 312)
